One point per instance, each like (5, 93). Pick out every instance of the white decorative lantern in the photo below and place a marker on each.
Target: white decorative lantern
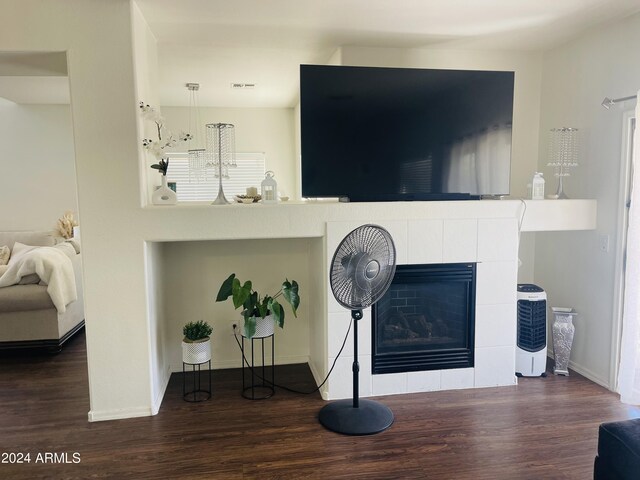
(269, 188)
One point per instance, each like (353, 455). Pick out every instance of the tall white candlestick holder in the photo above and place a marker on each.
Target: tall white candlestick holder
(563, 154)
(221, 148)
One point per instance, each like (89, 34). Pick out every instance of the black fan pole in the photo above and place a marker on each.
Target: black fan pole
(356, 315)
(362, 269)
(356, 417)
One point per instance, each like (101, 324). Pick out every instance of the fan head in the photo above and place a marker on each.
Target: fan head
(362, 267)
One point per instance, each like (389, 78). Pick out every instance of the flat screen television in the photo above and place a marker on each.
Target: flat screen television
(386, 134)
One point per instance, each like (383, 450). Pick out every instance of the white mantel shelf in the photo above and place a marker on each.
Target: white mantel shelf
(202, 221)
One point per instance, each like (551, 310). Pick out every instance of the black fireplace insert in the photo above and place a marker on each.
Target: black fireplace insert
(426, 319)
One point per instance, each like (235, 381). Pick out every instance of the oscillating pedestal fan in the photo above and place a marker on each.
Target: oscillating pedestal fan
(361, 271)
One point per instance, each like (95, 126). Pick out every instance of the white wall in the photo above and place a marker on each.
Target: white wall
(145, 57)
(38, 179)
(318, 295)
(193, 273)
(145, 53)
(268, 130)
(156, 273)
(576, 77)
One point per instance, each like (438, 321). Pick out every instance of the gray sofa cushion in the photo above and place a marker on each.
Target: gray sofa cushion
(18, 298)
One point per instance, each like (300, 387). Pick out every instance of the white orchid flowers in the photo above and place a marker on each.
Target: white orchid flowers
(165, 139)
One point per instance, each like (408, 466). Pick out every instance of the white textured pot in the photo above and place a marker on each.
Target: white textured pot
(264, 327)
(198, 351)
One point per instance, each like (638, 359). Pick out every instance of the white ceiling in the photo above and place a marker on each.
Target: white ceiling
(216, 43)
(34, 78)
(35, 90)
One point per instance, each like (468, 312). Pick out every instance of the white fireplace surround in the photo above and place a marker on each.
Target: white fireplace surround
(493, 244)
(485, 232)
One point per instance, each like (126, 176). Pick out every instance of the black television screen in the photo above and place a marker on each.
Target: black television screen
(374, 134)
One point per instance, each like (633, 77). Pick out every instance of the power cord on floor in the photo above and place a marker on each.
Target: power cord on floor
(293, 390)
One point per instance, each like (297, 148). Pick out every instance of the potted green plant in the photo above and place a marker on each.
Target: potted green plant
(196, 344)
(260, 312)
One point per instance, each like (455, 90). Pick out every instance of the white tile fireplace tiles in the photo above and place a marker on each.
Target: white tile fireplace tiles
(497, 239)
(460, 240)
(424, 241)
(495, 325)
(338, 325)
(332, 304)
(424, 381)
(457, 378)
(389, 384)
(336, 231)
(496, 282)
(340, 383)
(495, 366)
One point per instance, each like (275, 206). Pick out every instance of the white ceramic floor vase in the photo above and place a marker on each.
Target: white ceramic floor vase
(563, 331)
(196, 352)
(265, 327)
(163, 195)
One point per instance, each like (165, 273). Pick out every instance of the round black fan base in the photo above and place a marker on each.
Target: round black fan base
(370, 417)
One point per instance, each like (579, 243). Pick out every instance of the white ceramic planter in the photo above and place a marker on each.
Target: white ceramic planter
(196, 352)
(264, 327)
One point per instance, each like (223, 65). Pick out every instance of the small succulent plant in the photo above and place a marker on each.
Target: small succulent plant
(194, 331)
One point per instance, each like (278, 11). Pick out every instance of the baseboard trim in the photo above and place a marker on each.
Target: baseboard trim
(318, 379)
(119, 414)
(164, 383)
(585, 372)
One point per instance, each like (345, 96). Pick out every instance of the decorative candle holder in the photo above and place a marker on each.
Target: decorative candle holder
(563, 154)
(222, 150)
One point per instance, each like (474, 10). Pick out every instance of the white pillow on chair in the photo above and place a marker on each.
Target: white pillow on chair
(19, 250)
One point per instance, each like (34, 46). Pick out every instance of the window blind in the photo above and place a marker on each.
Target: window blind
(197, 188)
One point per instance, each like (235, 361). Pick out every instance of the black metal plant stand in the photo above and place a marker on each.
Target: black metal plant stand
(263, 389)
(197, 393)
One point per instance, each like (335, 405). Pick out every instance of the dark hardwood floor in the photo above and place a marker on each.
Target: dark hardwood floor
(541, 429)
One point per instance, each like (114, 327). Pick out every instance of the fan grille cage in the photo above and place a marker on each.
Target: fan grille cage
(352, 260)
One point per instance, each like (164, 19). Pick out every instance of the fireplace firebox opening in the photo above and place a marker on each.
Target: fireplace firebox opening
(426, 319)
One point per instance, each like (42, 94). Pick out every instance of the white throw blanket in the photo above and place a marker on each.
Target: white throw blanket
(54, 268)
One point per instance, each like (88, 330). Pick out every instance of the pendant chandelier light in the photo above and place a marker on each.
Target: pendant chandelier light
(199, 165)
